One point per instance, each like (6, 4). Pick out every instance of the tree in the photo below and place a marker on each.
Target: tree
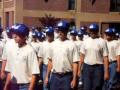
(48, 20)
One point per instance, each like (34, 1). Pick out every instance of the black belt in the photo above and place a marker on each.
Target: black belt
(94, 65)
(113, 62)
(62, 74)
(20, 84)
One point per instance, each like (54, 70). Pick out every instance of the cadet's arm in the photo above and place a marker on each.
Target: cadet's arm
(48, 71)
(7, 83)
(32, 83)
(118, 63)
(106, 68)
(80, 63)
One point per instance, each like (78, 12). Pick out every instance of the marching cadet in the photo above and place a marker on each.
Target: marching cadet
(94, 56)
(45, 53)
(8, 44)
(80, 40)
(22, 65)
(83, 29)
(63, 61)
(34, 43)
(32, 29)
(114, 63)
(73, 34)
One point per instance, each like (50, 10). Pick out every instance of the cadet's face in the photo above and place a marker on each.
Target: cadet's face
(108, 37)
(18, 39)
(73, 37)
(50, 38)
(93, 34)
(62, 35)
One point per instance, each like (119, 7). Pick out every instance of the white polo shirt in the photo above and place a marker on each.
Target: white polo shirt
(8, 49)
(36, 46)
(63, 54)
(85, 37)
(94, 50)
(44, 52)
(22, 64)
(112, 49)
(78, 44)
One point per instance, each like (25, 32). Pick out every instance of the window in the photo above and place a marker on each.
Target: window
(46, 0)
(7, 19)
(115, 6)
(71, 4)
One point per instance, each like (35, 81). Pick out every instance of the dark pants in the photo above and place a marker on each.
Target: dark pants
(113, 75)
(60, 82)
(93, 77)
(19, 86)
(44, 71)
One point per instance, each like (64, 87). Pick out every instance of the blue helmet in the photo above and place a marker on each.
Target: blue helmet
(94, 27)
(109, 31)
(21, 30)
(80, 33)
(9, 32)
(33, 28)
(49, 30)
(40, 35)
(118, 34)
(63, 25)
(73, 32)
(83, 28)
(34, 33)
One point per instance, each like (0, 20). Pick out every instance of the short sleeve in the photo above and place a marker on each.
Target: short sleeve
(33, 63)
(105, 49)
(40, 51)
(118, 50)
(75, 54)
(4, 55)
(82, 48)
(50, 52)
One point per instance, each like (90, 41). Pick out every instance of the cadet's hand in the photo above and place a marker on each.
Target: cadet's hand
(73, 83)
(2, 76)
(106, 76)
(46, 81)
(79, 73)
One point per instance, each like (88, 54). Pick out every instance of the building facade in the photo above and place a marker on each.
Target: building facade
(104, 12)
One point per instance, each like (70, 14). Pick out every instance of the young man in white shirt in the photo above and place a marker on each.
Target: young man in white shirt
(113, 46)
(94, 56)
(63, 61)
(22, 65)
(83, 29)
